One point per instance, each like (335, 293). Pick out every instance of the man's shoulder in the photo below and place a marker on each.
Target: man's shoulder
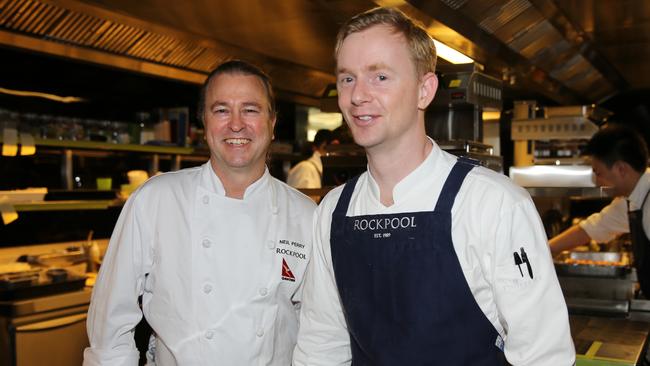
(490, 187)
(164, 183)
(174, 177)
(293, 196)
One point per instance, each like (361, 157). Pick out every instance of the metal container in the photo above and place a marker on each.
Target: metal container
(595, 264)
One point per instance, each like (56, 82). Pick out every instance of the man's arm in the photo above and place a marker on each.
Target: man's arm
(527, 293)
(323, 338)
(568, 239)
(114, 311)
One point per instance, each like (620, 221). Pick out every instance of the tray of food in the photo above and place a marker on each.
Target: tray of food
(593, 264)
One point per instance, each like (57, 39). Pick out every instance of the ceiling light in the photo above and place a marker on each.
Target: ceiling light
(56, 98)
(451, 54)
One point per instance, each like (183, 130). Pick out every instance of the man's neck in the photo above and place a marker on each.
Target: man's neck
(235, 183)
(636, 177)
(390, 166)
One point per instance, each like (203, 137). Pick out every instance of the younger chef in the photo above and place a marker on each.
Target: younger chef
(619, 158)
(414, 262)
(217, 252)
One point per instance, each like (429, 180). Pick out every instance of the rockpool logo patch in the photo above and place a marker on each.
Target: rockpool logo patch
(287, 275)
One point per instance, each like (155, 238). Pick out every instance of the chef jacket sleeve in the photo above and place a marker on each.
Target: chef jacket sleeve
(607, 224)
(114, 311)
(323, 338)
(528, 295)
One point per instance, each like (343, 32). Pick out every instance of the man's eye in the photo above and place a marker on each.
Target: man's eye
(220, 110)
(382, 77)
(346, 79)
(251, 110)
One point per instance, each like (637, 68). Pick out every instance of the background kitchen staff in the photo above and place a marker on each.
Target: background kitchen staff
(619, 158)
(309, 173)
(441, 287)
(202, 246)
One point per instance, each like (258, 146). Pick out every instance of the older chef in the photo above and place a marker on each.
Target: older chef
(217, 252)
(425, 259)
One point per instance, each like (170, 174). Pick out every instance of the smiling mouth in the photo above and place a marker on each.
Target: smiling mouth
(364, 118)
(237, 142)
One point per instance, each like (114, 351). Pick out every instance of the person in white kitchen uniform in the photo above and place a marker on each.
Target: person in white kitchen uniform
(217, 252)
(415, 261)
(619, 158)
(309, 173)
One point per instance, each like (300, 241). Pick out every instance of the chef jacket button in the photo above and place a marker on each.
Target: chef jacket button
(207, 288)
(260, 332)
(263, 291)
(209, 334)
(206, 243)
(271, 244)
(206, 199)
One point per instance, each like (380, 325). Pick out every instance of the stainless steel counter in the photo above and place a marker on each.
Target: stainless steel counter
(45, 330)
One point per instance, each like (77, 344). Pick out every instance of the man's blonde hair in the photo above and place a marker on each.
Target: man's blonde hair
(420, 44)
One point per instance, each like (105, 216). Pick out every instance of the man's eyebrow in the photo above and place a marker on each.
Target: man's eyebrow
(373, 67)
(342, 70)
(218, 103)
(379, 66)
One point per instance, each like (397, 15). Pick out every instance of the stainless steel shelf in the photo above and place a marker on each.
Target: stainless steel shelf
(94, 145)
(67, 205)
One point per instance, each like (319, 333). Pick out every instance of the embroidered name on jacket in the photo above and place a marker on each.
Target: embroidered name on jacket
(295, 251)
(385, 223)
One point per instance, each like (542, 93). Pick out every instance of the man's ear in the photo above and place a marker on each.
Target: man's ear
(273, 120)
(622, 168)
(428, 87)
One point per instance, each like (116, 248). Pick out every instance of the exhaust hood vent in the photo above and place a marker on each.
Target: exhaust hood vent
(79, 25)
(57, 24)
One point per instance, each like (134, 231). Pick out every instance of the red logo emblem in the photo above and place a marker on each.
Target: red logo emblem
(287, 275)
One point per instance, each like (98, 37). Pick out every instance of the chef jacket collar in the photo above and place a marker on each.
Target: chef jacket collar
(408, 185)
(638, 193)
(211, 182)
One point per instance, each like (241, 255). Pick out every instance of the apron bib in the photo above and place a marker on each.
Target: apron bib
(404, 295)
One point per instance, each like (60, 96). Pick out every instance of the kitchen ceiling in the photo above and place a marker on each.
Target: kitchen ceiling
(567, 52)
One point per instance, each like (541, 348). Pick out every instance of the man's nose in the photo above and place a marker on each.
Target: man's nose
(236, 122)
(360, 93)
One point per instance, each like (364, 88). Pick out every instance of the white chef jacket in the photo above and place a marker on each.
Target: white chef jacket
(219, 277)
(307, 174)
(491, 219)
(612, 220)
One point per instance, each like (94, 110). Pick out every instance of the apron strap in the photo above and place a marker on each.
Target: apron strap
(342, 206)
(452, 184)
(344, 199)
(642, 204)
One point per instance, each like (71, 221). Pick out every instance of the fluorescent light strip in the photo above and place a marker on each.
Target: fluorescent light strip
(443, 51)
(56, 98)
(451, 54)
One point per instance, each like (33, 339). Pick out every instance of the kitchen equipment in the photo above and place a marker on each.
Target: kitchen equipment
(48, 330)
(593, 264)
(137, 177)
(38, 282)
(597, 282)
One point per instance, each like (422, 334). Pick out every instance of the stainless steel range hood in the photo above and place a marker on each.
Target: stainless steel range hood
(571, 52)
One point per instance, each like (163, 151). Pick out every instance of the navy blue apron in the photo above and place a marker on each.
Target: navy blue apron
(640, 247)
(404, 295)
